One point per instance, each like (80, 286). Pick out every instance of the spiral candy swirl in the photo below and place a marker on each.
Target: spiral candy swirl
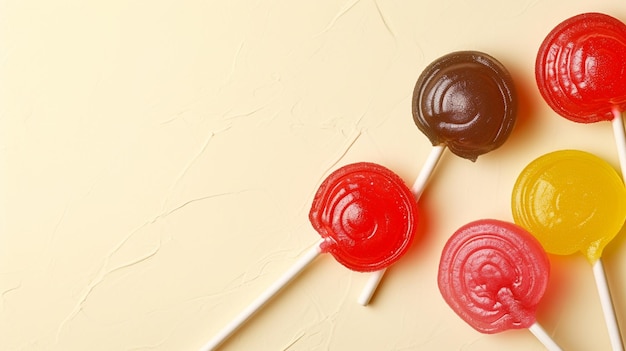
(493, 274)
(366, 214)
(570, 200)
(465, 100)
(581, 68)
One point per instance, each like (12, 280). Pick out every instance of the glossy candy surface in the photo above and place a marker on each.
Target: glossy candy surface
(493, 274)
(465, 100)
(570, 201)
(366, 214)
(581, 67)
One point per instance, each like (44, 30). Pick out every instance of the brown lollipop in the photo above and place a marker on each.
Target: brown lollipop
(465, 101)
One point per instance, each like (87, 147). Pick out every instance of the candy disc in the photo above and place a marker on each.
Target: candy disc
(366, 214)
(581, 67)
(570, 201)
(465, 100)
(493, 274)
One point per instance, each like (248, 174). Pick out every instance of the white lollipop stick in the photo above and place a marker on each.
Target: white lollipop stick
(598, 269)
(620, 139)
(417, 189)
(427, 170)
(607, 306)
(544, 337)
(244, 315)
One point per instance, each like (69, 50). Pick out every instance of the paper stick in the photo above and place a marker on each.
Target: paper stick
(620, 139)
(417, 189)
(598, 268)
(545, 339)
(287, 277)
(427, 170)
(607, 306)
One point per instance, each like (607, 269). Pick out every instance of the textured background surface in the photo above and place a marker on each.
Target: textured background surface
(159, 159)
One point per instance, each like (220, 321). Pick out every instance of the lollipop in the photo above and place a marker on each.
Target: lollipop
(573, 201)
(581, 72)
(366, 217)
(464, 101)
(493, 274)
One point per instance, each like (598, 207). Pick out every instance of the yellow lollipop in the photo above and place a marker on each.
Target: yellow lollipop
(574, 201)
(571, 201)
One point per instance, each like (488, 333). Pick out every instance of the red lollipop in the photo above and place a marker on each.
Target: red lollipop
(581, 72)
(366, 214)
(366, 217)
(493, 274)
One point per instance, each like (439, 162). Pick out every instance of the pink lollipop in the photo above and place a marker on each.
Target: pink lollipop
(493, 274)
(581, 72)
(366, 217)
(464, 101)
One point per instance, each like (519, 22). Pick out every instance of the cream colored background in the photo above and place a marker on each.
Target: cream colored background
(159, 159)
